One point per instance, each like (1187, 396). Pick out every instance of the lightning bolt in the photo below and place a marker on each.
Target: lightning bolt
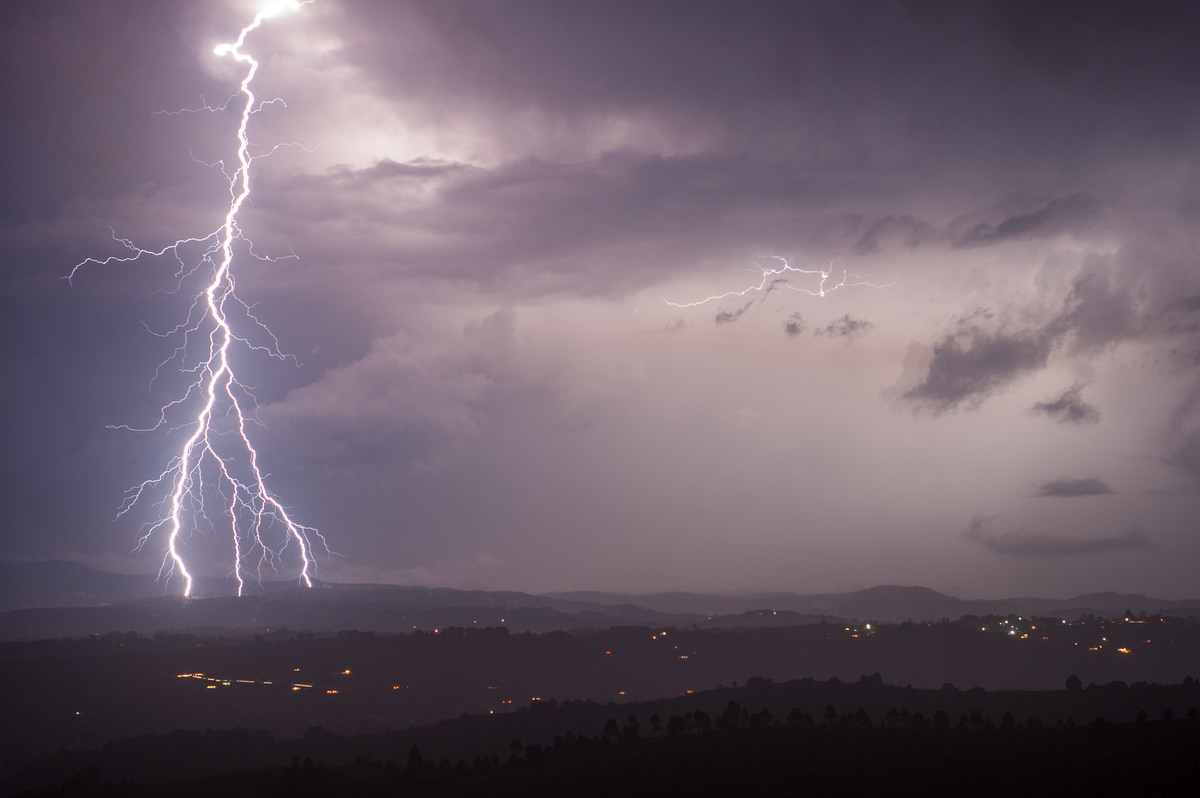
(771, 277)
(218, 458)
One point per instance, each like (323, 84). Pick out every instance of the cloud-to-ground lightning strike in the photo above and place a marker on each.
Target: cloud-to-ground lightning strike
(777, 276)
(218, 459)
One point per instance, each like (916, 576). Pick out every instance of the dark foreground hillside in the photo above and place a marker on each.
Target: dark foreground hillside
(78, 694)
(831, 735)
(744, 753)
(779, 760)
(169, 708)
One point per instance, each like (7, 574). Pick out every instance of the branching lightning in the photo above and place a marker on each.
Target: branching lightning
(777, 276)
(218, 462)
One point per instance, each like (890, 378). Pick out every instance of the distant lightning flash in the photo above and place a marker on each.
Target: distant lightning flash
(218, 458)
(776, 276)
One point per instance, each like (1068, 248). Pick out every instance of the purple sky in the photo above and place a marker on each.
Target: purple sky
(496, 203)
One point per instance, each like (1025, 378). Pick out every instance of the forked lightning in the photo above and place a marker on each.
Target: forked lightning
(217, 462)
(778, 276)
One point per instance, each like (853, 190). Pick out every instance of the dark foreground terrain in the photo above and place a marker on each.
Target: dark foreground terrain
(81, 693)
(1018, 705)
(442, 692)
(691, 746)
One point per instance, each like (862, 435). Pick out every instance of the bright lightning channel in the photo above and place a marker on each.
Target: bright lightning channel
(219, 445)
(777, 276)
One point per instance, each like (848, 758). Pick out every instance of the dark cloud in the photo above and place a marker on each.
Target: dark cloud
(981, 357)
(503, 195)
(523, 223)
(827, 81)
(845, 327)
(1184, 454)
(1069, 408)
(80, 52)
(730, 316)
(969, 365)
(1182, 317)
(1098, 313)
(1072, 488)
(1024, 543)
(894, 230)
(1183, 450)
(1069, 214)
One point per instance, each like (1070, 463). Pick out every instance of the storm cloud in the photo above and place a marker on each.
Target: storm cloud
(794, 325)
(969, 365)
(895, 230)
(984, 355)
(730, 316)
(1069, 408)
(1024, 543)
(1065, 215)
(1183, 450)
(845, 327)
(1072, 488)
(498, 210)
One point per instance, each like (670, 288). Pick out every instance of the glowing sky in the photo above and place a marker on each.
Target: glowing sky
(499, 197)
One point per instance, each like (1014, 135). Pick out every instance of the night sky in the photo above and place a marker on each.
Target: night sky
(494, 201)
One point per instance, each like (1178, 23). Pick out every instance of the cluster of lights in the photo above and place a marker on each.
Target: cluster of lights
(1012, 627)
(214, 681)
(656, 636)
(855, 631)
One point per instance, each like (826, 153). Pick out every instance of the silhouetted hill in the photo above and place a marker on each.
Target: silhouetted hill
(65, 584)
(325, 608)
(896, 603)
(891, 603)
(714, 742)
(81, 692)
(62, 599)
(58, 583)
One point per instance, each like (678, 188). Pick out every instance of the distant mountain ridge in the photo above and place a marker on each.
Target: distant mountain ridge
(891, 603)
(62, 599)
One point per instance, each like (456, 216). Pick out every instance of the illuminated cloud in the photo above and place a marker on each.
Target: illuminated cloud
(404, 403)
